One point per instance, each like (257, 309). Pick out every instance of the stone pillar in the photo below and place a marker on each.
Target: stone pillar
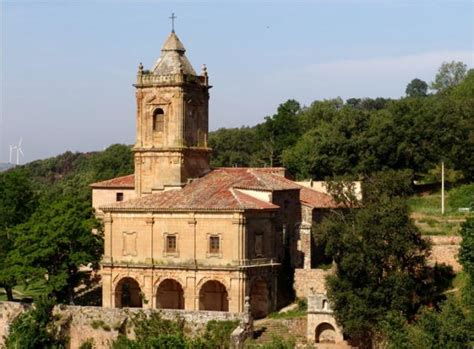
(191, 296)
(149, 222)
(148, 301)
(180, 117)
(108, 254)
(305, 244)
(239, 253)
(107, 291)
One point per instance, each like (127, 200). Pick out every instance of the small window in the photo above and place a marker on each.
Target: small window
(171, 243)
(158, 120)
(214, 244)
(119, 197)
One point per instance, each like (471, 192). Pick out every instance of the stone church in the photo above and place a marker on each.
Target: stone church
(182, 235)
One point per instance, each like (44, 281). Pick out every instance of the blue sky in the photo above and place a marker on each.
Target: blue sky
(68, 67)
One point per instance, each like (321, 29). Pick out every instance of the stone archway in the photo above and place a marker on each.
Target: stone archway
(170, 295)
(259, 299)
(128, 294)
(213, 296)
(325, 333)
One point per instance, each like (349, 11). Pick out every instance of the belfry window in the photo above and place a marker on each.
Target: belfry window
(158, 120)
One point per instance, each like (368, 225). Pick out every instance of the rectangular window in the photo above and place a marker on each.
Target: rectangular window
(214, 244)
(171, 243)
(119, 197)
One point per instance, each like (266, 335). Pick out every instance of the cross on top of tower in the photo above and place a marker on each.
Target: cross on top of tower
(173, 17)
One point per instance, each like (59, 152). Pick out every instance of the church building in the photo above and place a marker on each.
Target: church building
(182, 235)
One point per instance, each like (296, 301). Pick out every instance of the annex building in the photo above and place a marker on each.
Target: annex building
(182, 235)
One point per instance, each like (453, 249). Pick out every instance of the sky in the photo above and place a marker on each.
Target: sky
(67, 67)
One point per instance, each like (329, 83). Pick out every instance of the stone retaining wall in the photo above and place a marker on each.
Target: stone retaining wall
(445, 249)
(78, 322)
(310, 281)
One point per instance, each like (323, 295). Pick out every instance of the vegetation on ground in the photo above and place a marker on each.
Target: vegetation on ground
(426, 210)
(152, 331)
(451, 324)
(299, 311)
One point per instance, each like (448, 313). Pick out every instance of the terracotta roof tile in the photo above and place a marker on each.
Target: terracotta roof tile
(218, 190)
(316, 199)
(118, 182)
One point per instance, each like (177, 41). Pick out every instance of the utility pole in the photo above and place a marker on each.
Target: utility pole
(442, 187)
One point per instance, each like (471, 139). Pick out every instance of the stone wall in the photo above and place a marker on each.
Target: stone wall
(104, 325)
(310, 281)
(445, 249)
(8, 312)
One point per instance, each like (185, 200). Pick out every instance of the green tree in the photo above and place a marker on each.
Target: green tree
(278, 132)
(233, 147)
(35, 329)
(17, 202)
(449, 75)
(332, 148)
(417, 88)
(466, 253)
(54, 243)
(381, 263)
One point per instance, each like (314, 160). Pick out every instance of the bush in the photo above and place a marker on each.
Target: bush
(35, 329)
(88, 344)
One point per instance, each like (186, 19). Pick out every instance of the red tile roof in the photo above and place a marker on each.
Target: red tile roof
(218, 190)
(316, 199)
(118, 182)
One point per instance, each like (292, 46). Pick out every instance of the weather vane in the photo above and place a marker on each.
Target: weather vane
(173, 17)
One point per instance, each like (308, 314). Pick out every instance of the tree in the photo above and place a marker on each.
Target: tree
(417, 88)
(233, 147)
(381, 263)
(449, 75)
(278, 132)
(17, 202)
(466, 253)
(54, 243)
(35, 328)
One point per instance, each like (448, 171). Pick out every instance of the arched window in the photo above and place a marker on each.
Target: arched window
(158, 120)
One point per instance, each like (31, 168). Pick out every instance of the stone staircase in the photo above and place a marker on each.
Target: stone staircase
(266, 329)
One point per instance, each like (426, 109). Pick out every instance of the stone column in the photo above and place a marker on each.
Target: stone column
(305, 244)
(190, 294)
(149, 279)
(148, 301)
(107, 291)
(180, 117)
(108, 254)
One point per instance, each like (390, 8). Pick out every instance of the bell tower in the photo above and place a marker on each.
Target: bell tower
(172, 122)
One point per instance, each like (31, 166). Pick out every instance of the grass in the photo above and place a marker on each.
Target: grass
(291, 314)
(30, 291)
(426, 210)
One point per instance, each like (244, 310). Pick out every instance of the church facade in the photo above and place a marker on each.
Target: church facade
(181, 235)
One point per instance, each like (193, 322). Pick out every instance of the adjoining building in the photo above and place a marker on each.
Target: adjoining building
(181, 235)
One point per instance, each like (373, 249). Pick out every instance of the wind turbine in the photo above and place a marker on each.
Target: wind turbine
(12, 147)
(19, 151)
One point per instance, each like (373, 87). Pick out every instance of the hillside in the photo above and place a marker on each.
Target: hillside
(5, 166)
(426, 210)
